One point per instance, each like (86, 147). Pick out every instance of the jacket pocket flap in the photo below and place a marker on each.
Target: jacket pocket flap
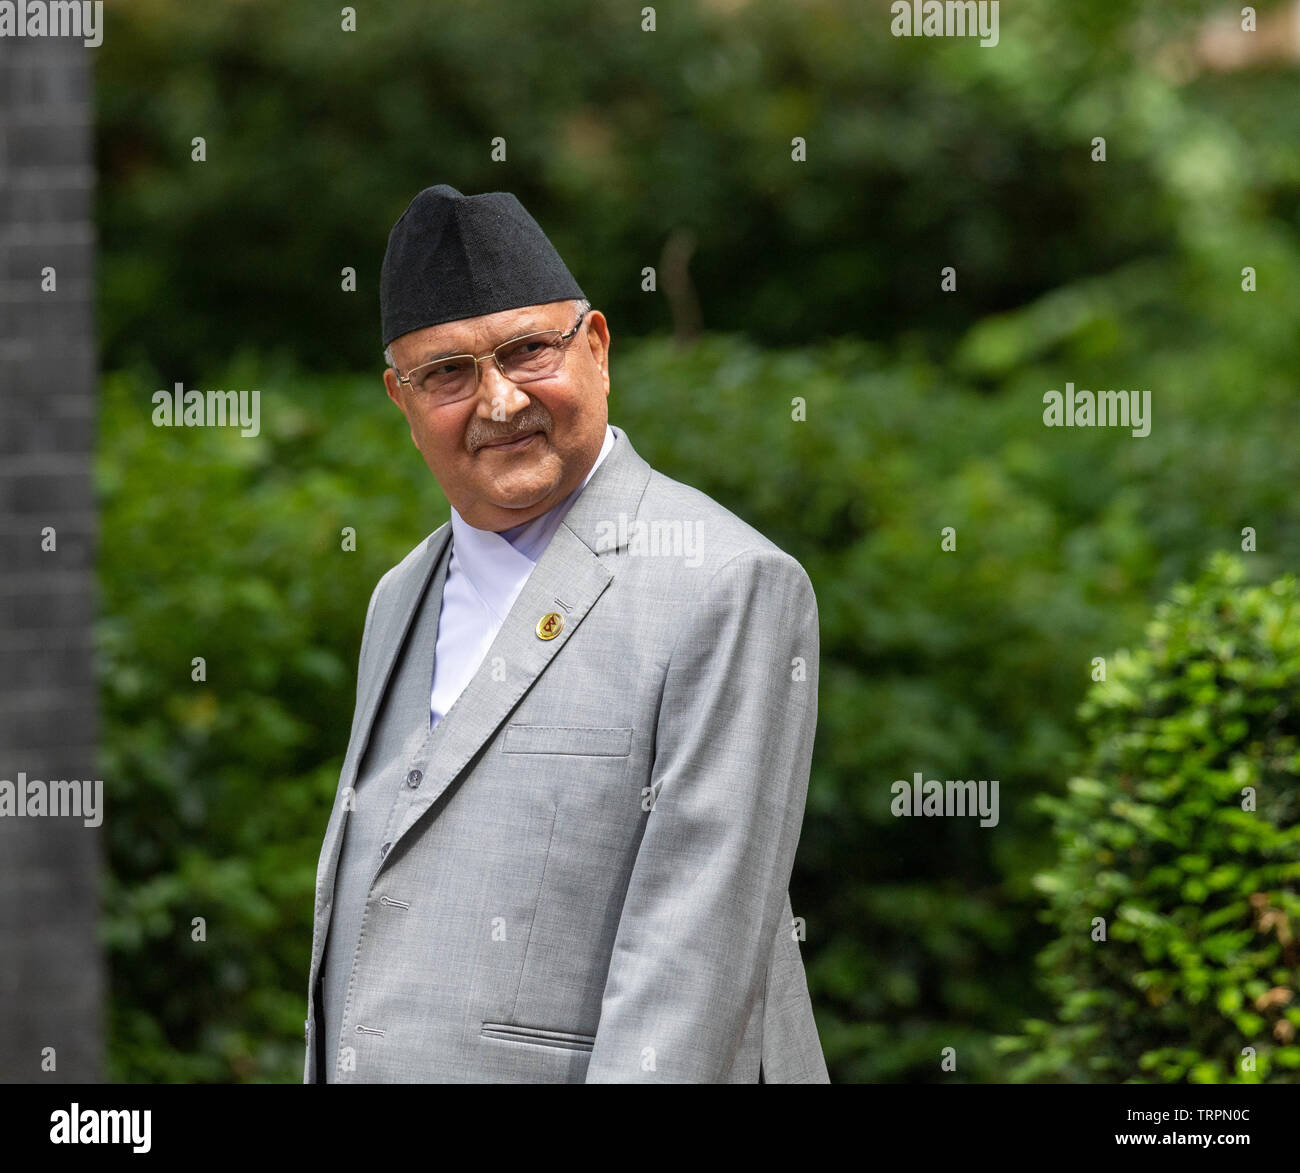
(537, 1036)
(582, 741)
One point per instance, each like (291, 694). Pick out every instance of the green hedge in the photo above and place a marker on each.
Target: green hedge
(921, 933)
(230, 549)
(1177, 894)
(921, 154)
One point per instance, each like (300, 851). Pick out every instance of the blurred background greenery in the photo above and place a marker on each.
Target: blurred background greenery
(776, 279)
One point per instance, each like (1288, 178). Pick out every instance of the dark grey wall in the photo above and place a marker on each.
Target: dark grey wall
(51, 973)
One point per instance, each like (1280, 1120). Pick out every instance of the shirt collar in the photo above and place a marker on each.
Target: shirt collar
(497, 563)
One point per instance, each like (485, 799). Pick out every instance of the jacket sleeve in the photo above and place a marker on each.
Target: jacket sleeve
(733, 748)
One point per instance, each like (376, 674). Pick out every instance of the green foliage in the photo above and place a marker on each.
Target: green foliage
(920, 155)
(968, 663)
(230, 549)
(1183, 834)
(965, 664)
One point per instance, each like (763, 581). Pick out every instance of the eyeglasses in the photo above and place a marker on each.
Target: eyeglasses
(524, 359)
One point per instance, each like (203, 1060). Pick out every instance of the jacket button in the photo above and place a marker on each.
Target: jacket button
(383, 851)
(414, 778)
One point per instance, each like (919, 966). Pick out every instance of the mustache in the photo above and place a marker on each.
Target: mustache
(536, 424)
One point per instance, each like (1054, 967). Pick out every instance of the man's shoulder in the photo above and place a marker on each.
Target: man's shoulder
(720, 535)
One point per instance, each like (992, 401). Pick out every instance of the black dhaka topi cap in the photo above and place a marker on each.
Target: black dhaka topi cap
(453, 256)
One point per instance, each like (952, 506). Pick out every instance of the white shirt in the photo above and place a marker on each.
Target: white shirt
(486, 574)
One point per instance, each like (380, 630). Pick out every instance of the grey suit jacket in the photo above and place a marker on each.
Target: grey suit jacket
(591, 882)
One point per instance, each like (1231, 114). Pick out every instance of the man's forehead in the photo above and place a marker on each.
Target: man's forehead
(465, 334)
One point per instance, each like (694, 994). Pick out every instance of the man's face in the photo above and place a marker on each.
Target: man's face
(494, 487)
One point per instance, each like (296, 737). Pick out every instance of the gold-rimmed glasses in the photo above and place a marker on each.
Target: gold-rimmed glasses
(523, 359)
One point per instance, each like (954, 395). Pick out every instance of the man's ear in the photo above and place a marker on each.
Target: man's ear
(392, 386)
(598, 340)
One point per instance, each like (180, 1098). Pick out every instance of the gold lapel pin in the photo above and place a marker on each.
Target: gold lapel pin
(550, 625)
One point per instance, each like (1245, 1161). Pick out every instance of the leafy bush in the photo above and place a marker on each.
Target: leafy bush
(920, 155)
(231, 549)
(921, 933)
(1183, 835)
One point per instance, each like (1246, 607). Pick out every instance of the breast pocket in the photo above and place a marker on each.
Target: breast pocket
(573, 740)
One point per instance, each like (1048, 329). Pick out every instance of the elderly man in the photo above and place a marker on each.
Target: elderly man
(567, 818)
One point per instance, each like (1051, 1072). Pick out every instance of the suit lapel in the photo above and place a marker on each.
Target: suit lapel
(390, 635)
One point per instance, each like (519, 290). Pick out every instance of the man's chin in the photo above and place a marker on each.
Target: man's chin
(521, 499)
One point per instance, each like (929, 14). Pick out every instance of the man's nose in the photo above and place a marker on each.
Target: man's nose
(498, 397)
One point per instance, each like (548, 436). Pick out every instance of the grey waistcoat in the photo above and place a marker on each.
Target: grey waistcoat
(394, 764)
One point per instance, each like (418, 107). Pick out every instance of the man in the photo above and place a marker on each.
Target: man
(568, 813)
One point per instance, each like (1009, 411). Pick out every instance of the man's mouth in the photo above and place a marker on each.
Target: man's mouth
(512, 443)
